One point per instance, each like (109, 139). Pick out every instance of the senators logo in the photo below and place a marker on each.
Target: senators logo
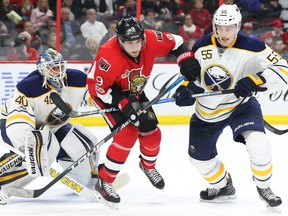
(136, 79)
(104, 65)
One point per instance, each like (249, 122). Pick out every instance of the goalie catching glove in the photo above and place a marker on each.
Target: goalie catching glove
(245, 86)
(183, 94)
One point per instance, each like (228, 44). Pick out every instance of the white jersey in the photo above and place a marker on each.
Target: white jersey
(222, 68)
(30, 107)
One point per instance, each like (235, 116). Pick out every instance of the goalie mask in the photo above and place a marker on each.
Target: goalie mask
(52, 67)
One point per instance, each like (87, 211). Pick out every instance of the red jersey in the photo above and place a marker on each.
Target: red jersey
(112, 67)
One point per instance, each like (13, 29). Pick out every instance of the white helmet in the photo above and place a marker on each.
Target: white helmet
(227, 15)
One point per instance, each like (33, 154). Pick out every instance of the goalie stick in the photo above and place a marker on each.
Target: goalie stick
(61, 104)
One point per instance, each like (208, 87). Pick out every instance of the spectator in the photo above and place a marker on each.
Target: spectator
(41, 16)
(26, 7)
(72, 41)
(149, 21)
(189, 29)
(269, 42)
(92, 27)
(248, 30)
(36, 41)
(104, 7)
(275, 9)
(129, 8)
(51, 41)
(3, 28)
(191, 43)
(111, 32)
(21, 49)
(211, 5)
(276, 32)
(5, 9)
(281, 48)
(201, 16)
(90, 50)
(75, 9)
(51, 30)
(165, 10)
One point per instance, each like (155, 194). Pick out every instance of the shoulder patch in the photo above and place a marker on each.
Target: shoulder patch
(104, 64)
(159, 35)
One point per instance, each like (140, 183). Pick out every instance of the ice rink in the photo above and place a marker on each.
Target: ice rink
(183, 183)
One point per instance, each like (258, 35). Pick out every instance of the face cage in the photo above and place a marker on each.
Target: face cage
(53, 76)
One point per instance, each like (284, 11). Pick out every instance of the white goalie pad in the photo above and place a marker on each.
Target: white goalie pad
(41, 150)
(76, 143)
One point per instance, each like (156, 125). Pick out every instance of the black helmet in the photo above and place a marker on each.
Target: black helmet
(128, 29)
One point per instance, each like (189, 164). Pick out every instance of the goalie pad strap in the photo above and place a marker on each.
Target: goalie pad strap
(41, 149)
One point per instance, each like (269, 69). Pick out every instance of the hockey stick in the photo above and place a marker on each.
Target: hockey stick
(63, 106)
(68, 181)
(73, 185)
(273, 129)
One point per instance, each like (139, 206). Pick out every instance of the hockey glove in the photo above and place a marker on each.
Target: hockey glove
(245, 86)
(189, 66)
(129, 110)
(183, 94)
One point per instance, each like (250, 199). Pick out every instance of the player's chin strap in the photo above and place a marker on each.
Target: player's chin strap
(73, 185)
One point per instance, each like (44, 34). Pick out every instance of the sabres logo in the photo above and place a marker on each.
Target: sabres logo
(56, 117)
(217, 78)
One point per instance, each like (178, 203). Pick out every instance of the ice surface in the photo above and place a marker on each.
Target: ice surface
(183, 183)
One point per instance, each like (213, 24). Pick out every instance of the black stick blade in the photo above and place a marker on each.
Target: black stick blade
(57, 100)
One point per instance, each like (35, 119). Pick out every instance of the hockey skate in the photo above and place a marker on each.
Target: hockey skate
(3, 197)
(267, 195)
(154, 176)
(219, 195)
(107, 194)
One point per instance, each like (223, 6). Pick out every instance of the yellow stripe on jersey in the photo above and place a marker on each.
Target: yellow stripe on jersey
(262, 172)
(283, 71)
(19, 116)
(203, 113)
(217, 175)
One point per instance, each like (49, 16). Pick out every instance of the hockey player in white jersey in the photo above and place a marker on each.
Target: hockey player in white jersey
(230, 60)
(25, 113)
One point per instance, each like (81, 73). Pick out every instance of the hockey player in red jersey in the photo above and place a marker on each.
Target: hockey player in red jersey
(117, 78)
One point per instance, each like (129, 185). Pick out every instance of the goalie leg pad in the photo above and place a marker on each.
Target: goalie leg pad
(41, 149)
(76, 143)
(259, 150)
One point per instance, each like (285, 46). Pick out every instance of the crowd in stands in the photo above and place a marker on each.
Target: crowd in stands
(29, 26)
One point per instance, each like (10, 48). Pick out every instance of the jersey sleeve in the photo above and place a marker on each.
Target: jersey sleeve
(102, 75)
(162, 43)
(20, 118)
(274, 67)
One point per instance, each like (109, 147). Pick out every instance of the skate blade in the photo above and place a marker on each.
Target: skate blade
(220, 199)
(276, 209)
(111, 205)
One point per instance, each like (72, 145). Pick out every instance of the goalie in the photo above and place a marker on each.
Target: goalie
(25, 113)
